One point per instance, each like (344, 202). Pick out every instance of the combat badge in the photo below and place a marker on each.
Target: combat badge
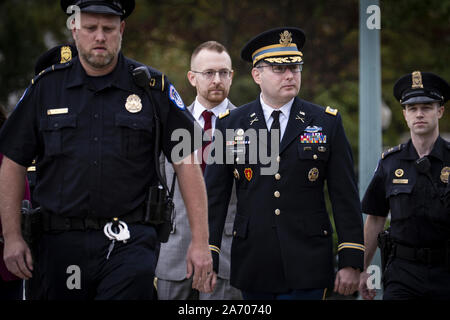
(313, 174)
(445, 172)
(248, 172)
(133, 104)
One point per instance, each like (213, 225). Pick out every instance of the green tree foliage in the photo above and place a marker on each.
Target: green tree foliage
(415, 35)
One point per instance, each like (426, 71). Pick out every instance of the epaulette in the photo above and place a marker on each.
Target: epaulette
(49, 70)
(331, 111)
(224, 114)
(391, 151)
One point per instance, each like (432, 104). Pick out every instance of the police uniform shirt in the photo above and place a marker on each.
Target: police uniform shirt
(284, 115)
(93, 140)
(418, 215)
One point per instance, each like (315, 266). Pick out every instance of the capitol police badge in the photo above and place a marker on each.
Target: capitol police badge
(445, 172)
(133, 103)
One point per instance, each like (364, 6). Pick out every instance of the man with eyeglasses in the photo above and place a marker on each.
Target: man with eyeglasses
(211, 75)
(282, 236)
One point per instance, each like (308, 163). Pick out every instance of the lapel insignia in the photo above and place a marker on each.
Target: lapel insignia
(248, 172)
(253, 120)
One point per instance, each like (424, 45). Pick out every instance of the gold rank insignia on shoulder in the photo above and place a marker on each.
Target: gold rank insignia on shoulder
(445, 172)
(416, 81)
(66, 54)
(133, 103)
(224, 114)
(331, 111)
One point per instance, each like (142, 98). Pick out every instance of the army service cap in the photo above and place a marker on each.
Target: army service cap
(421, 87)
(122, 8)
(276, 46)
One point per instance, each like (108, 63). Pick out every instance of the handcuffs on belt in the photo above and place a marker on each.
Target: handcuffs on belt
(116, 230)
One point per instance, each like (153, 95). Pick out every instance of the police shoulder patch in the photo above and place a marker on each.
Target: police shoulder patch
(50, 70)
(331, 111)
(391, 151)
(175, 97)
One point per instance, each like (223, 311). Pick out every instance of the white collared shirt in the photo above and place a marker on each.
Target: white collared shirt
(199, 108)
(284, 116)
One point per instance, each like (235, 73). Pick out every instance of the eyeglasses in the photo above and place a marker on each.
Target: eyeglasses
(211, 74)
(295, 68)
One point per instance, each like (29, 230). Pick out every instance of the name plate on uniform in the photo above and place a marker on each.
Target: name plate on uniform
(51, 112)
(400, 181)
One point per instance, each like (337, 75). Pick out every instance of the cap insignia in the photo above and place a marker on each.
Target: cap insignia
(416, 80)
(285, 38)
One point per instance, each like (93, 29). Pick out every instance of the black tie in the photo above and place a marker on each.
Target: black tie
(275, 125)
(276, 122)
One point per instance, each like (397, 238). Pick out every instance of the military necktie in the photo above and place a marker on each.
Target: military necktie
(275, 125)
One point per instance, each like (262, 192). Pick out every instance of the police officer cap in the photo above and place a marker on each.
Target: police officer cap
(276, 46)
(59, 54)
(421, 87)
(122, 8)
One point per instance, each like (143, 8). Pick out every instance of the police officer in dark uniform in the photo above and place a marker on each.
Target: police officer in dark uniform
(282, 246)
(91, 129)
(410, 182)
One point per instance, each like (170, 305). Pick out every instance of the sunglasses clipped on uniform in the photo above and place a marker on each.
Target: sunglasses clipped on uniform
(281, 68)
(210, 74)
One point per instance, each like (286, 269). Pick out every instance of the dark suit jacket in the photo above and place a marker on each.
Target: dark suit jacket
(282, 231)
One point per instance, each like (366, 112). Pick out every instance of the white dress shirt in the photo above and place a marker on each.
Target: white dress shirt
(284, 115)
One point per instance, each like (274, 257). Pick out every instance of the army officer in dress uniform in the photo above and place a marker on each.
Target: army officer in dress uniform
(411, 182)
(282, 246)
(92, 130)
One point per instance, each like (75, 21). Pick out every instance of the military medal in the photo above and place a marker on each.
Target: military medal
(133, 104)
(313, 174)
(445, 172)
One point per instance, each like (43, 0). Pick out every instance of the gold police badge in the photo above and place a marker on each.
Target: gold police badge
(445, 172)
(66, 54)
(313, 174)
(133, 103)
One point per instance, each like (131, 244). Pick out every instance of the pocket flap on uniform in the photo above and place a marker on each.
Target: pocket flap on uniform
(317, 225)
(395, 189)
(313, 151)
(58, 122)
(134, 122)
(240, 226)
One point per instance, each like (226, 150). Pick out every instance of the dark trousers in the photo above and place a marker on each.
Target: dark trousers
(300, 294)
(11, 290)
(404, 280)
(73, 266)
